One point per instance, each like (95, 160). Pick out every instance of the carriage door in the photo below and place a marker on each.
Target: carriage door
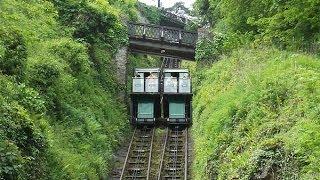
(177, 108)
(146, 109)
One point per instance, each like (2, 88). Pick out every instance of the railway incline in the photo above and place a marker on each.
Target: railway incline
(158, 153)
(170, 160)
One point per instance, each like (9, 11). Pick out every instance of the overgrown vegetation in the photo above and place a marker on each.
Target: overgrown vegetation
(151, 13)
(59, 113)
(292, 25)
(256, 110)
(256, 116)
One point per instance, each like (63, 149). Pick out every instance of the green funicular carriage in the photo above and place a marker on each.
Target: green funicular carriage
(145, 97)
(177, 97)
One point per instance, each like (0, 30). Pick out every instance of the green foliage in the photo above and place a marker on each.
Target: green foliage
(29, 99)
(286, 24)
(11, 161)
(93, 21)
(59, 114)
(75, 54)
(34, 20)
(128, 6)
(101, 60)
(22, 145)
(13, 52)
(178, 6)
(209, 49)
(191, 26)
(256, 116)
(23, 95)
(43, 74)
(2, 49)
(153, 14)
(214, 45)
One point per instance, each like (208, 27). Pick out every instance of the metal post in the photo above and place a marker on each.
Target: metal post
(180, 37)
(144, 31)
(162, 33)
(159, 4)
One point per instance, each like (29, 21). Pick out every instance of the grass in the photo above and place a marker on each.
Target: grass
(256, 115)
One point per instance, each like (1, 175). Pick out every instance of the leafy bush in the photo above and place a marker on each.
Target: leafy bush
(29, 99)
(103, 64)
(23, 95)
(14, 53)
(2, 49)
(128, 6)
(256, 116)
(153, 14)
(75, 54)
(11, 161)
(93, 21)
(62, 118)
(22, 145)
(210, 48)
(44, 73)
(286, 24)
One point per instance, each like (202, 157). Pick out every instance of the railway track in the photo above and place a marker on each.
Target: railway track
(138, 159)
(171, 163)
(174, 160)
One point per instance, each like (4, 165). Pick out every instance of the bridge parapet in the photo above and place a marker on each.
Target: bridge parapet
(162, 33)
(162, 41)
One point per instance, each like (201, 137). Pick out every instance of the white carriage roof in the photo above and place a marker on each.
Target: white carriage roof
(147, 70)
(176, 70)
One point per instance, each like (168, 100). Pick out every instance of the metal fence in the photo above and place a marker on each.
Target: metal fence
(162, 33)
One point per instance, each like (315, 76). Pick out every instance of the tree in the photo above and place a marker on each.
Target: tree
(178, 6)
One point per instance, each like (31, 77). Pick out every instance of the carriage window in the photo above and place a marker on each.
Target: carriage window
(175, 75)
(152, 83)
(147, 74)
(138, 75)
(184, 75)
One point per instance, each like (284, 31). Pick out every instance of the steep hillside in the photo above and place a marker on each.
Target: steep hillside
(257, 116)
(59, 113)
(290, 24)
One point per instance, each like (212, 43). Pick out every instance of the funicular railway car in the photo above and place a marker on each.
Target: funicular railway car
(177, 97)
(145, 97)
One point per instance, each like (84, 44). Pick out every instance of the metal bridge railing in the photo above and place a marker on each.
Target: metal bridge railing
(162, 33)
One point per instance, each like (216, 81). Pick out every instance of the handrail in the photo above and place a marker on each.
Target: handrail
(162, 33)
(158, 26)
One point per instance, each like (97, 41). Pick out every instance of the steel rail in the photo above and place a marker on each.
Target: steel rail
(139, 140)
(150, 155)
(163, 154)
(186, 156)
(175, 152)
(127, 156)
(138, 158)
